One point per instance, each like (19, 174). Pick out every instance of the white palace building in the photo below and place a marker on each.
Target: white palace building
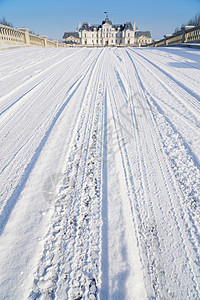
(108, 34)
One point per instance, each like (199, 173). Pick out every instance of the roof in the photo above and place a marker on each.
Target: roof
(107, 21)
(143, 33)
(128, 25)
(86, 26)
(119, 27)
(69, 34)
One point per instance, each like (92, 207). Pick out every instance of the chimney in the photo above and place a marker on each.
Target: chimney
(79, 24)
(134, 25)
(89, 24)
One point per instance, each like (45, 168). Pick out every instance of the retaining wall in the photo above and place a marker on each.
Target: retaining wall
(187, 34)
(21, 36)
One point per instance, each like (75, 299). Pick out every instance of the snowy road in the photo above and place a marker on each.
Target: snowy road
(100, 173)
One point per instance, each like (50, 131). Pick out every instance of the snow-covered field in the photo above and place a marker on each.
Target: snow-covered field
(100, 173)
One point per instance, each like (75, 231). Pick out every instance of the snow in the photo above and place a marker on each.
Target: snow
(99, 173)
(190, 45)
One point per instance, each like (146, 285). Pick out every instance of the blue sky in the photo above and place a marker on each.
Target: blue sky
(52, 18)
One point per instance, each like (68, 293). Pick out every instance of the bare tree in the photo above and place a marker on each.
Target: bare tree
(6, 23)
(176, 29)
(195, 21)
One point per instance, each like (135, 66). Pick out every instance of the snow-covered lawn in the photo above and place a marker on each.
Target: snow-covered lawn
(100, 173)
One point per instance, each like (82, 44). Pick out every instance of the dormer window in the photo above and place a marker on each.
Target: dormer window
(111, 33)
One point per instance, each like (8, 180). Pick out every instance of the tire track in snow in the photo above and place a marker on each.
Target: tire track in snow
(104, 210)
(5, 213)
(173, 143)
(161, 108)
(74, 220)
(123, 271)
(177, 214)
(185, 115)
(189, 191)
(155, 190)
(28, 85)
(137, 215)
(86, 285)
(49, 83)
(180, 60)
(175, 86)
(156, 211)
(18, 70)
(140, 217)
(163, 52)
(35, 128)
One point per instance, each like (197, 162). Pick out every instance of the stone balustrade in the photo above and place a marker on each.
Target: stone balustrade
(37, 40)
(21, 36)
(193, 35)
(9, 35)
(160, 43)
(174, 39)
(187, 34)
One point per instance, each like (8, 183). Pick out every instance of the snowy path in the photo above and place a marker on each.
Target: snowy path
(100, 173)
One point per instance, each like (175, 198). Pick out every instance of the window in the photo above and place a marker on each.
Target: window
(85, 35)
(128, 34)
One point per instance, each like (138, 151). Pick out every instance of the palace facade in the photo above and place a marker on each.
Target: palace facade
(108, 34)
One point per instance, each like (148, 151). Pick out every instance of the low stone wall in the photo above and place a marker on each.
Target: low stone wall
(187, 34)
(9, 35)
(193, 36)
(175, 39)
(21, 36)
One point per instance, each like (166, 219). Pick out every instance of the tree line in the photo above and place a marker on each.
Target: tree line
(5, 22)
(192, 22)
